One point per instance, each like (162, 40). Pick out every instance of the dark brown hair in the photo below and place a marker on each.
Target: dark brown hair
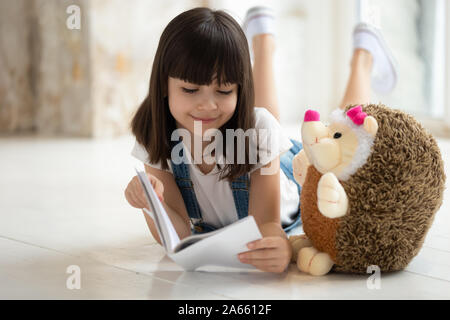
(196, 46)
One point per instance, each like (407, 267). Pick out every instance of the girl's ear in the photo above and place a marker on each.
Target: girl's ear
(371, 125)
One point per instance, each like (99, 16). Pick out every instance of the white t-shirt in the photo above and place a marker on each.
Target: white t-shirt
(215, 197)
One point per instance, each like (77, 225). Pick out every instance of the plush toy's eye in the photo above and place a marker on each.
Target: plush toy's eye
(337, 135)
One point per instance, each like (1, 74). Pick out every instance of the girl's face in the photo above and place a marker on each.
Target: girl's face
(212, 105)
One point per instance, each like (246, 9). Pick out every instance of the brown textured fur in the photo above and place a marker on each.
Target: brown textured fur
(319, 229)
(392, 199)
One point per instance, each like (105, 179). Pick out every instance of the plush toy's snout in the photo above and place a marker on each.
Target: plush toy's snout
(313, 130)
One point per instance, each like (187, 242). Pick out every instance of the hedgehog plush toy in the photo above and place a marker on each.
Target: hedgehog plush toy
(372, 181)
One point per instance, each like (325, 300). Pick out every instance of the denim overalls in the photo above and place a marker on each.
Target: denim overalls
(239, 187)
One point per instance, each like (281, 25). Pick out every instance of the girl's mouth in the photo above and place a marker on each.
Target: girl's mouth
(204, 120)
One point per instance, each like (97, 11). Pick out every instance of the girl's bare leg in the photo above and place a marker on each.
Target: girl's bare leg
(263, 73)
(358, 86)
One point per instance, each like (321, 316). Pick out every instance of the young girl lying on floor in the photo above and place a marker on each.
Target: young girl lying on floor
(202, 80)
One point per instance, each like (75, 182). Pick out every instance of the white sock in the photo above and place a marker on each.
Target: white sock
(384, 74)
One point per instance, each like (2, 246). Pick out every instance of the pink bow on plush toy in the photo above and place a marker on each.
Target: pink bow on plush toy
(357, 115)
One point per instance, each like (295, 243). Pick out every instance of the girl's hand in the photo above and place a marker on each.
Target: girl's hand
(134, 193)
(271, 254)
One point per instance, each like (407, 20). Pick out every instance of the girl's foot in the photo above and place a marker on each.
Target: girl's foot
(258, 21)
(384, 70)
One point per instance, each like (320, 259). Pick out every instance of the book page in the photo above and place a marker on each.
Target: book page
(221, 247)
(166, 231)
(158, 228)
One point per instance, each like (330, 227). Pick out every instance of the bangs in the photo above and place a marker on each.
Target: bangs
(199, 46)
(208, 53)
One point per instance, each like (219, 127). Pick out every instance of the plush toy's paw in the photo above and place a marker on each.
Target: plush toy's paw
(298, 242)
(316, 263)
(300, 165)
(332, 200)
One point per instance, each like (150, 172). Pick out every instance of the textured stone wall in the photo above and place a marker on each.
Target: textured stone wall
(62, 64)
(16, 111)
(78, 82)
(45, 84)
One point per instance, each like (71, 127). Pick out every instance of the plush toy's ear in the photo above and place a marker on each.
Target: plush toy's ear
(371, 125)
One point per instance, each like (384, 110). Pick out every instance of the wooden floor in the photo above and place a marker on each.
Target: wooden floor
(62, 205)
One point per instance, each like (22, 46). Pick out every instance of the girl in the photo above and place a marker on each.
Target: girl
(202, 75)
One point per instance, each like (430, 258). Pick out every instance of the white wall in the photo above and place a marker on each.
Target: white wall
(313, 51)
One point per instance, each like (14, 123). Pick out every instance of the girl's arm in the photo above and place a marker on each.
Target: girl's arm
(264, 199)
(173, 203)
(273, 252)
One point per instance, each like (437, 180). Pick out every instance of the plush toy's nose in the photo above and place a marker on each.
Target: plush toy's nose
(312, 129)
(311, 115)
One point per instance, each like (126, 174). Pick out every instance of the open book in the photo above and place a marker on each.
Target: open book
(218, 248)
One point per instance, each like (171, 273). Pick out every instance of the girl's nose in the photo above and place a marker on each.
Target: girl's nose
(208, 105)
(311, 115)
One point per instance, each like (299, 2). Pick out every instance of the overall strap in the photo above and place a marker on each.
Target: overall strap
(186, 187)
(240, 188)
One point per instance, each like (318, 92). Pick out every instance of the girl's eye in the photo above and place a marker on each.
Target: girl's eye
(337, 135)
(189, 90)
(225, 92)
